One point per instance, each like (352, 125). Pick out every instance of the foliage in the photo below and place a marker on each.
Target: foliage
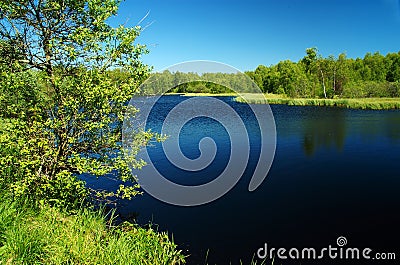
(63, 96)
(315, 76)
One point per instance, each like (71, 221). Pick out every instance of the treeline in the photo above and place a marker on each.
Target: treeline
(313, 76)
(375, 75)
(179, 82)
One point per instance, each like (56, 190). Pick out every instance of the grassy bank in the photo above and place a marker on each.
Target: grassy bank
(352, 103)
(49, 236)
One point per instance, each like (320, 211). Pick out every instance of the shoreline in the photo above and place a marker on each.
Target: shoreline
(203, 94)
(349, 103)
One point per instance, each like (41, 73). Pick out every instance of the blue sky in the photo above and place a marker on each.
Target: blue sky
(245, 34)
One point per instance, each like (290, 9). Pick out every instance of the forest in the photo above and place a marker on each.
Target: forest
(314, 76)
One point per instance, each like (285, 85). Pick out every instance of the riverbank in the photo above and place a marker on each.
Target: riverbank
(351, 103)
(33, 232)
(48, 235)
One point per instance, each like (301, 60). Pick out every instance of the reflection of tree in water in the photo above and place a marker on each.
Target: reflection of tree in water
(393, 126)
(373, 125)
(325, 128)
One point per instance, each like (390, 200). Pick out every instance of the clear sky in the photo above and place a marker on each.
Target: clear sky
(248, 33)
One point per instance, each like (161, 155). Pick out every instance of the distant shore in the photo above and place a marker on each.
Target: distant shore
(350, 103)
(205, 94)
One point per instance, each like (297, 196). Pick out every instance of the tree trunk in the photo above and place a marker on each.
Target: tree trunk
(334, 81)
(323, 82)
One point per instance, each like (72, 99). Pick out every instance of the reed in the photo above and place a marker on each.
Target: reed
(351, 103)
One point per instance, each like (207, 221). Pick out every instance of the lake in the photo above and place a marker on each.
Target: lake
(335, 173)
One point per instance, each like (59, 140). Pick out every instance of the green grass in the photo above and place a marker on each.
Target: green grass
(49, 236)
(352, 103)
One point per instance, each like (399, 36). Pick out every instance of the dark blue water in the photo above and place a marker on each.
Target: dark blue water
(335, 173)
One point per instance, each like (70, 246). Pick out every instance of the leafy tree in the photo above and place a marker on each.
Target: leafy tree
(393, 63)
(310, 59)
(341, 74)
(376, 65)
(65, 104)
(264, 74)
(287, 76)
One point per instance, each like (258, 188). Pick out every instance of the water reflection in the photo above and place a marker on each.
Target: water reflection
(334, 128)
(326, 129)
(392, 125)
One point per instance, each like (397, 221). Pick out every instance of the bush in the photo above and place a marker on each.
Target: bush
(21, 158)
(371, 89)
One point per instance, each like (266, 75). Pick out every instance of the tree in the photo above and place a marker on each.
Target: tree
(341, 74)
(376, 65)
(310, 58)
(261, 78)
(334, 71)
(287, 77)
(393, 62)
(76, 105)
(315, 64)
